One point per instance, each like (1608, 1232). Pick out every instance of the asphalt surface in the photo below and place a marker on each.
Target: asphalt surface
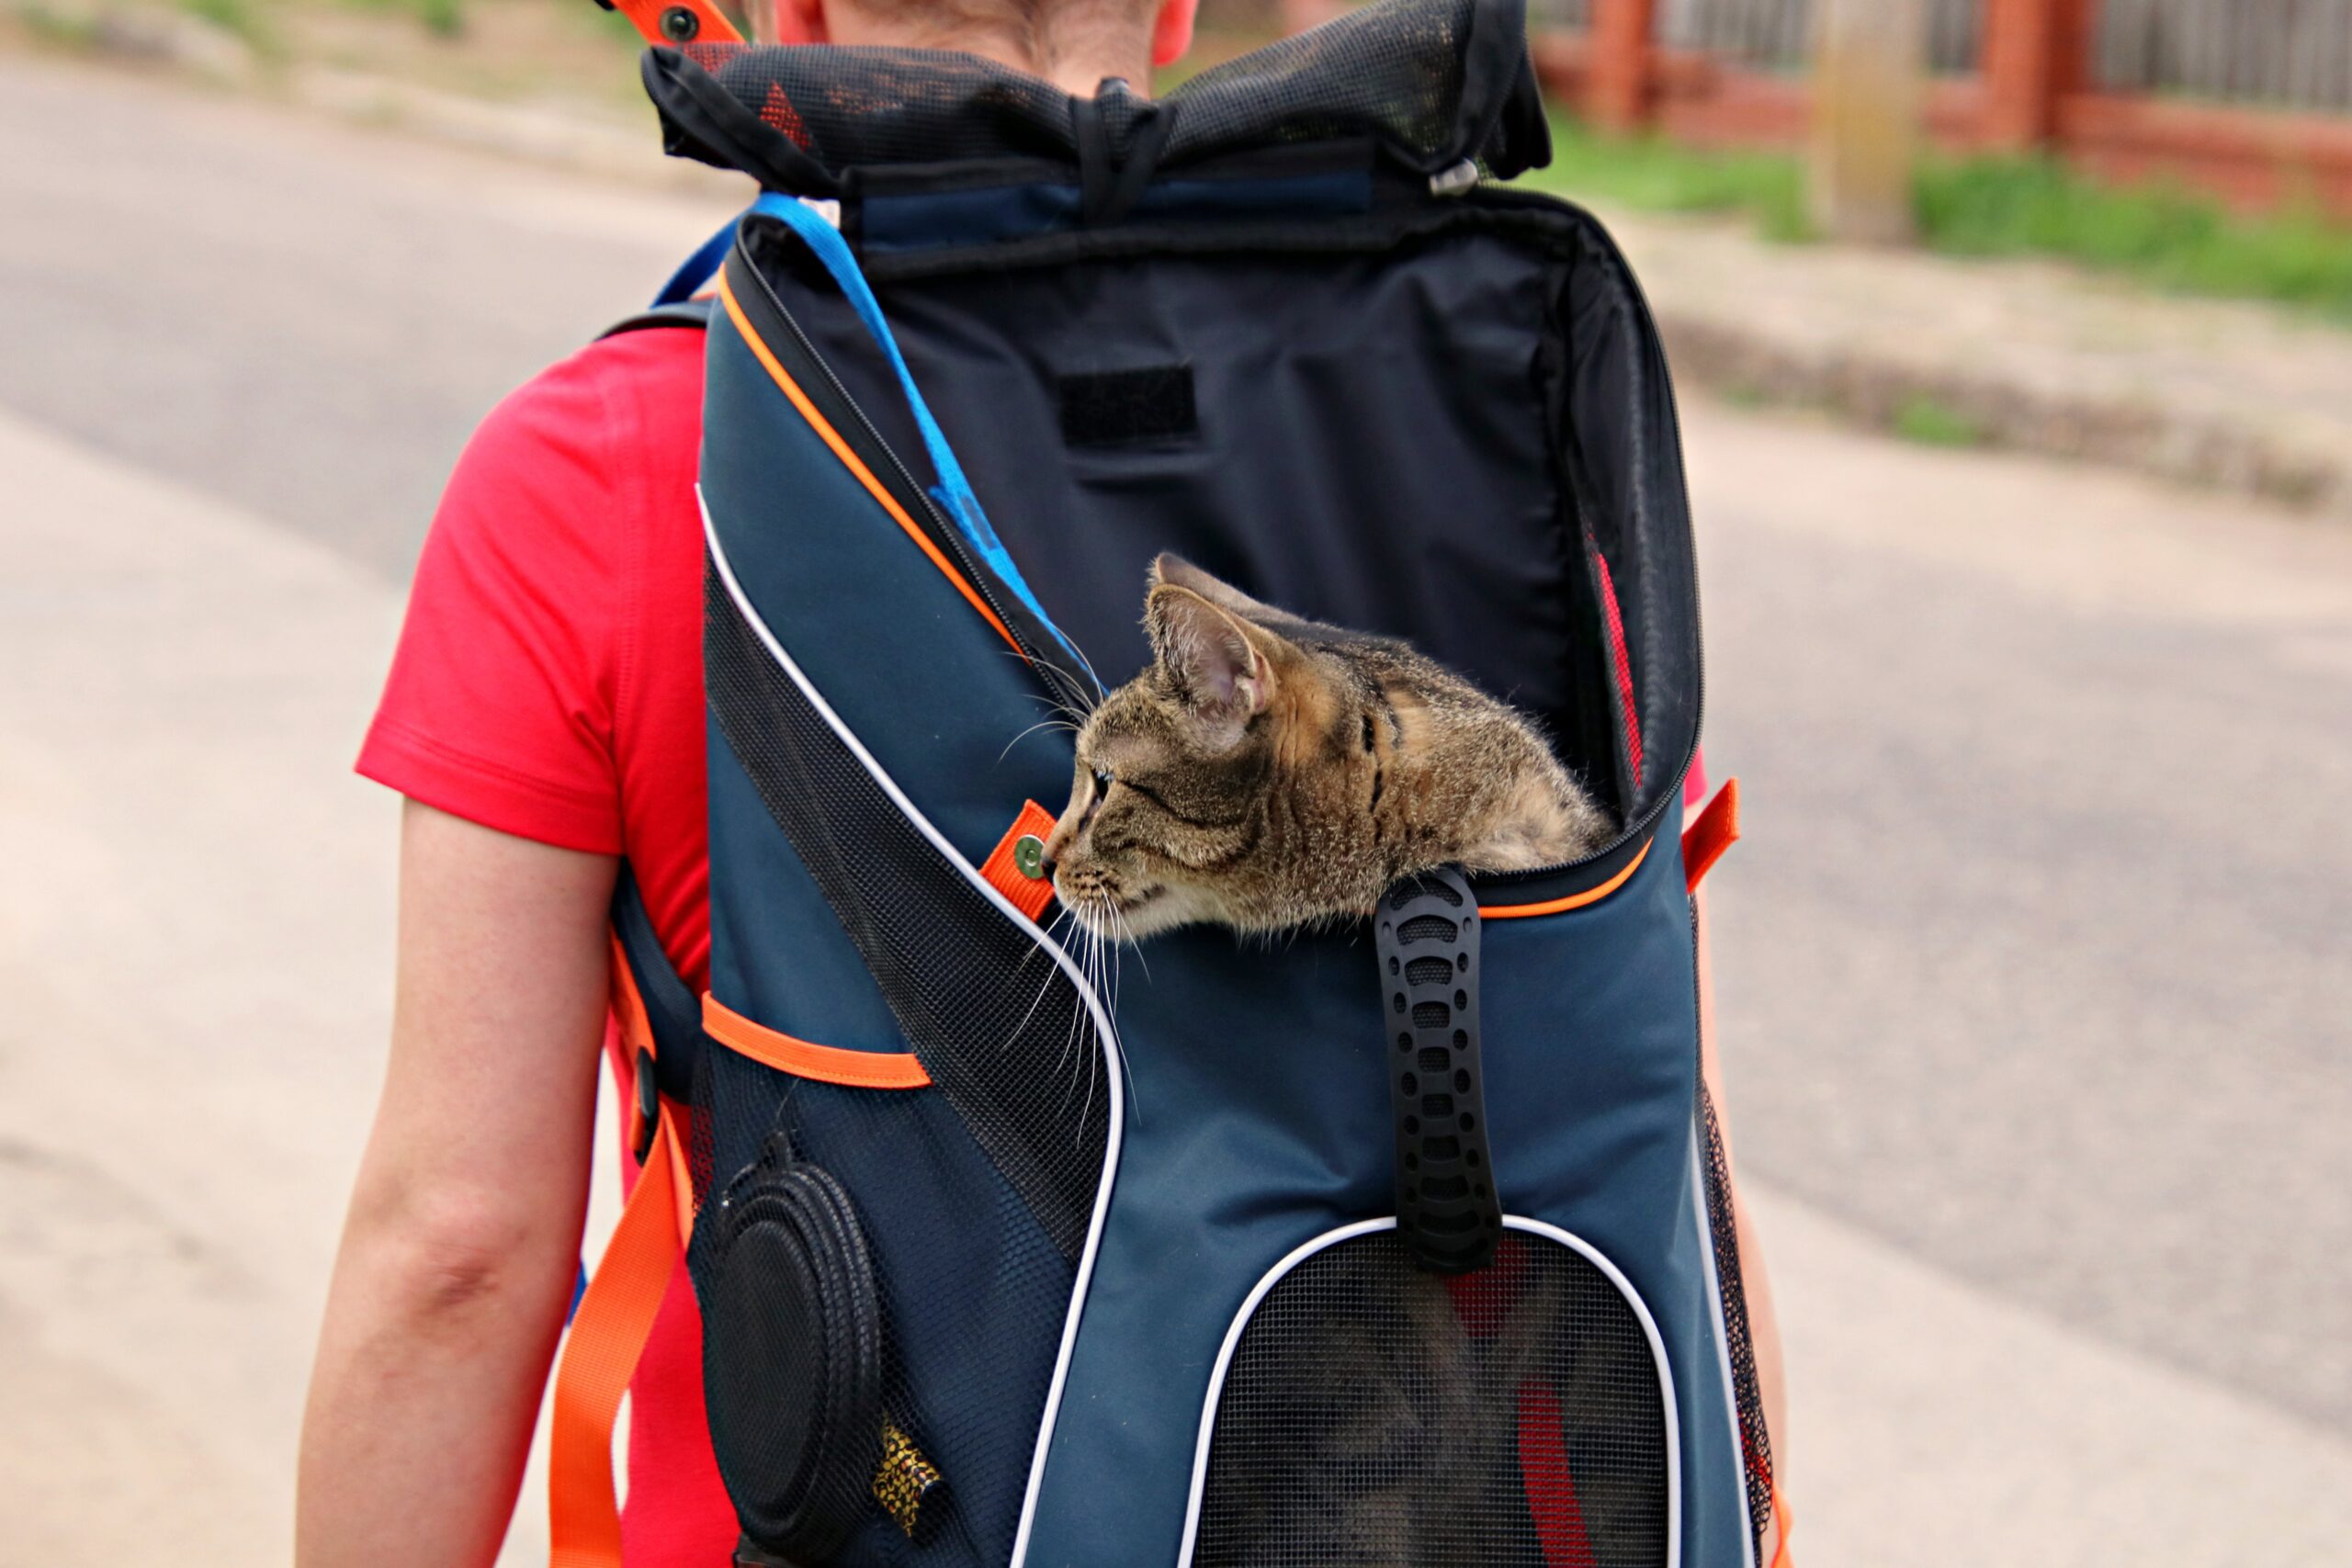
(2032, 967)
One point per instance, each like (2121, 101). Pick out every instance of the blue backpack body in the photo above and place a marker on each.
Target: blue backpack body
(1401, 1241)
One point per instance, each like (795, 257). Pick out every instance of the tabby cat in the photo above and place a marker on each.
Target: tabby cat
(1267, 772)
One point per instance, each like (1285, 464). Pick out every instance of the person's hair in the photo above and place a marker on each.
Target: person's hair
(1046, 32)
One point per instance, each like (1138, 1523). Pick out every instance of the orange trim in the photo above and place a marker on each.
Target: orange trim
(1573, 901)
(1030, 894)
(1715, 830)
(805, 1059)
(856, 465)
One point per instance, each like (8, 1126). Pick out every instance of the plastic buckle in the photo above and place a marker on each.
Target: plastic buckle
(644, 1117)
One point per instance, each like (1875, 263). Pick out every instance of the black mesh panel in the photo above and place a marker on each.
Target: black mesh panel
(999, 1027)
(973, 1197)
(1754, 1442)
(1374, 1413)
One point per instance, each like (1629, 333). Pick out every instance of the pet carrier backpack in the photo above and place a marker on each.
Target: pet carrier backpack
(1406, 1242)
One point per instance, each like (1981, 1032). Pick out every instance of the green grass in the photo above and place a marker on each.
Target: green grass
(1657, 175)
(1930, 422)
(2159, 234)
(249, 19)
(442, 19)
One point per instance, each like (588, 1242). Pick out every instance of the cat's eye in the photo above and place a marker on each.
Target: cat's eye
(1367, 732)
(1103, 783)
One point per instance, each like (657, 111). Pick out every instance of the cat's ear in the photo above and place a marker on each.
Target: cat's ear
(1212, 657)
(1176, 571)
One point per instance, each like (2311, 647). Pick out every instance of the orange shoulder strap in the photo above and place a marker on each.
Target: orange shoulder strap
(608, 1331)
(1714, 831)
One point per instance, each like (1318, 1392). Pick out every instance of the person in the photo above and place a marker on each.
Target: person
(543, 717)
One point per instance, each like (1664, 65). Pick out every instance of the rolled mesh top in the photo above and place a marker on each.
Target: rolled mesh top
(1434, 82)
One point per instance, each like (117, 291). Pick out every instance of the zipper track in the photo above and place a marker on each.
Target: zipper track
(943, 533)
(1533, 202)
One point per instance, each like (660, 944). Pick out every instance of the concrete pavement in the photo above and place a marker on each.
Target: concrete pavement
(2030, 971)
(194, 936)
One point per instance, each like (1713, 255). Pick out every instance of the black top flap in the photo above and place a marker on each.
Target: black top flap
(1433, 82)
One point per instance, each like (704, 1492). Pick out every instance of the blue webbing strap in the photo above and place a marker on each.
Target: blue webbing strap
(953, 492)
(695, 269)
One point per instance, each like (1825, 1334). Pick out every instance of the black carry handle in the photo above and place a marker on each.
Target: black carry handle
(1427, 938)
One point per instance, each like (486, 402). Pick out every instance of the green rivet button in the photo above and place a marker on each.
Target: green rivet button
(1029, 856)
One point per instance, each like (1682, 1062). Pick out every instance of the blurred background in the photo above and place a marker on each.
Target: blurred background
(2015, 344)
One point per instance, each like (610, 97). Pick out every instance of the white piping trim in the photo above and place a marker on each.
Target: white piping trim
(1029, 928)
(1314, 1245)
(1722, 1339)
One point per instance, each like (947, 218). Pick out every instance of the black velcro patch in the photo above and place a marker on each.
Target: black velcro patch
(1117, 407)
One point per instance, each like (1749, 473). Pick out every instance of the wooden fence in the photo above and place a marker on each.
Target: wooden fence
(1777, 34)
(2278, 52)
(2245, 97)
(2270, 51)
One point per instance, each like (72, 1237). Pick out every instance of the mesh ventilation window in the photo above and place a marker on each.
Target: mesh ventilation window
(1001, 1031)
(1374, 1413)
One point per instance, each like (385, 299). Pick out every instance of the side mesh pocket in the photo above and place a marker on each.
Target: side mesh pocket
(976, 1191)
(1370, 1413)
(969, 1295)
(1739, 1344)
(790, 1311)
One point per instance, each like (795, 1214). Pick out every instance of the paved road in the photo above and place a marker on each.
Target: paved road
(2034, 968)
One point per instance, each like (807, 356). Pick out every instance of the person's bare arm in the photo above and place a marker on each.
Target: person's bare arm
(458, 1250)
(1763, 1324)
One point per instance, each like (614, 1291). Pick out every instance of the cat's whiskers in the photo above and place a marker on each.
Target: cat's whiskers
(1086, 953)
(1106, 950)
(1051, 976)
(1054, 723)
(1065, 694)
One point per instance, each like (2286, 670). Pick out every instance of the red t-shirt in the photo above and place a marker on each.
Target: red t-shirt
(549, 684)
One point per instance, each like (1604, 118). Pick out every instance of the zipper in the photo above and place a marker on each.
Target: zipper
(951, 540)
(1648, 821)
(942, 533)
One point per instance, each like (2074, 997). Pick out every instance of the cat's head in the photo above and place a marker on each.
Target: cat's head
(1233, 781)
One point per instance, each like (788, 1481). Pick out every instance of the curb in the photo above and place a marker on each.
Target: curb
(1873, 392)
(553, 134)
(1728, 356)
(149, 40)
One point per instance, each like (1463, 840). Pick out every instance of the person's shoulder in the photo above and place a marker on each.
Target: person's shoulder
(576, 467)
(617, 401)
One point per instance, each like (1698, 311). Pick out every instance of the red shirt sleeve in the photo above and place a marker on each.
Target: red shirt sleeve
(501, 701)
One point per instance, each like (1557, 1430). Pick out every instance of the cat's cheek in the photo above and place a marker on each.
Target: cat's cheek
(1173, 907)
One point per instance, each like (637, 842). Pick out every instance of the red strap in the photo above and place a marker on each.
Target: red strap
(710, 25)
(1715, 830)
(1544, 1471)
(608, 1331)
